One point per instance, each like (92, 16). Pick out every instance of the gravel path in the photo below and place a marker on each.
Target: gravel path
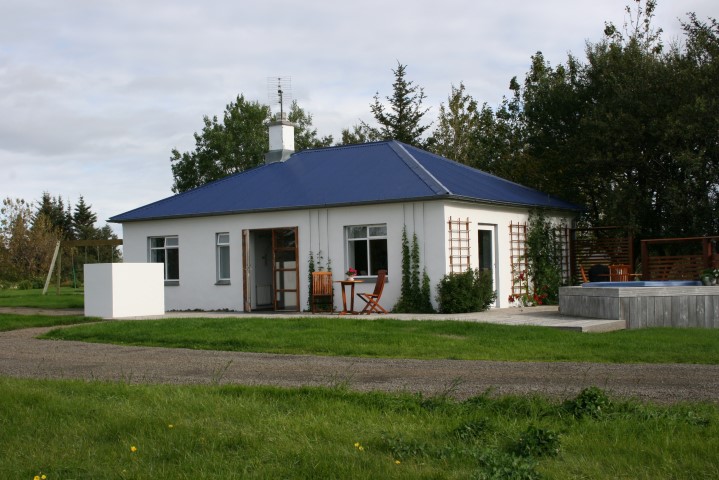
(22, 355)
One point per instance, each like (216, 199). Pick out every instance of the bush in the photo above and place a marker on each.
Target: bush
(471, 291)
(537, 442)
(591, 402)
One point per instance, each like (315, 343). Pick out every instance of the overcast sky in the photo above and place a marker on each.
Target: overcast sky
(94, 94)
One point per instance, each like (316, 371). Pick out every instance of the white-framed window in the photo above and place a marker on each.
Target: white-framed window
(166, 250)
(366, 248)
(222, 254)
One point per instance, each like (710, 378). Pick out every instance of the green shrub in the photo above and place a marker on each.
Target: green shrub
(495, 465)
(591, 402)
(470, 291)
(537, 442)
(25, 285)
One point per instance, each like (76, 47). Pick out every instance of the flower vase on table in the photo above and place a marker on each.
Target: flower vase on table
(351, 274)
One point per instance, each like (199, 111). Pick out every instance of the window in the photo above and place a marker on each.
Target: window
(223, 258)
(367, 248)
(167, 250)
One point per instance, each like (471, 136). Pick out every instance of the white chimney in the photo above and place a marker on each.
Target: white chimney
(282, 140)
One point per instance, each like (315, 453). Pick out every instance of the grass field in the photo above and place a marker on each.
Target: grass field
(407, 339)
(68, 298)
(14, 322)
(90, 430)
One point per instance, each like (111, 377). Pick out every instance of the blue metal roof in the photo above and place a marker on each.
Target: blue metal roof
(367, 173)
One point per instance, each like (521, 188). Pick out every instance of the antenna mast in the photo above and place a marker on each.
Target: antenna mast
(279, 91)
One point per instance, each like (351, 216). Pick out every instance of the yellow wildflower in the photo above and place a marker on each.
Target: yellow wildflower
(170, 426)
(36, 477)
(357, 444)
(397, 462)
(360, 448)
(133, 448)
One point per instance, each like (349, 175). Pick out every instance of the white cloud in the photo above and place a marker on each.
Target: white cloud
(94, 95)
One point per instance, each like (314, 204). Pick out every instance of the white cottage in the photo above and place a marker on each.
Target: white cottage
(243, 243)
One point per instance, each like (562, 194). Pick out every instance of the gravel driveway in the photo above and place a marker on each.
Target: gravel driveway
(22, 355)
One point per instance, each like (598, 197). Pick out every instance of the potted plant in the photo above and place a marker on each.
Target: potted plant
(351, 274)
(710, 276)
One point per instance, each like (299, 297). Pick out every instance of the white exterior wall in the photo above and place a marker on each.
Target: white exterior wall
(491, 215)
(320, 230)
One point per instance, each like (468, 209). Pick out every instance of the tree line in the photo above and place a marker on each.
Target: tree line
(630, 132)
(29, 233)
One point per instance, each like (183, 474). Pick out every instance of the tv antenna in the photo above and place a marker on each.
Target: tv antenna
(279, 90)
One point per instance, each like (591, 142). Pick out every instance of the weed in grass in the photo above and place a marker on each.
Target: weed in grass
(471, 430)
(537, 442)
(496, 465)
(591, 402)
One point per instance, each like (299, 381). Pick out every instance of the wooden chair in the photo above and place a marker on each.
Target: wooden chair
(372, 299)
(322, 291)
(619, 273)
(585, 279)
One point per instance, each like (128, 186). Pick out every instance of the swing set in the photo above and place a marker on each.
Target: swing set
(73, 245)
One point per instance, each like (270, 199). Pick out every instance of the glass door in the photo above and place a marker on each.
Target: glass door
(285, 269)
(487, 250)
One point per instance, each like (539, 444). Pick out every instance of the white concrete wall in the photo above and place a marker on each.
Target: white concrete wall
(319, 230)
(114, 290)
(492, 215)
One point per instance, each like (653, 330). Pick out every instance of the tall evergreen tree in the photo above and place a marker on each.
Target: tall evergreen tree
(400, 119)
(83, 221)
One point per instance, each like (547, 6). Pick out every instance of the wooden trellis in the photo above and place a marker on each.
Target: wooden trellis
(518, 257)
(458, 245)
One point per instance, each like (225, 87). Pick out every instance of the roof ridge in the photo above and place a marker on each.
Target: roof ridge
(473, 169)
(418, 169)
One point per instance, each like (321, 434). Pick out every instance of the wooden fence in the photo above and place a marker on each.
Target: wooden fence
(661, 261)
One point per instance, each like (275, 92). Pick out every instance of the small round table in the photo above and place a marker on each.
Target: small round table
(343, 284)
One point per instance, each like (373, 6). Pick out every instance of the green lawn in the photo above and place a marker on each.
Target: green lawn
(87, 430)
(68, 298)
(407, 339)
(15, 322)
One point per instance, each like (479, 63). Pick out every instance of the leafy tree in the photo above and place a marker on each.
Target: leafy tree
(232, 145)
(457, 125)
(27, 242)
(361, 133)
(631, 132)
(236, 143)
(400, 119)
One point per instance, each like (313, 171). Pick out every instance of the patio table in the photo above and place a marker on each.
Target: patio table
(351, 283)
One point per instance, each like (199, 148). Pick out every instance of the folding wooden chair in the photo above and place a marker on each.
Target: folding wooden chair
(372, 299)
(322, 291)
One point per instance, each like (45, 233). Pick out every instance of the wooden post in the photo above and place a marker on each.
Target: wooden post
(646, 274)
(52, 266)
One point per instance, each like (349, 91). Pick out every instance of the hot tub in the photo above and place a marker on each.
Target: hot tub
(644, 304)
(648, 283)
